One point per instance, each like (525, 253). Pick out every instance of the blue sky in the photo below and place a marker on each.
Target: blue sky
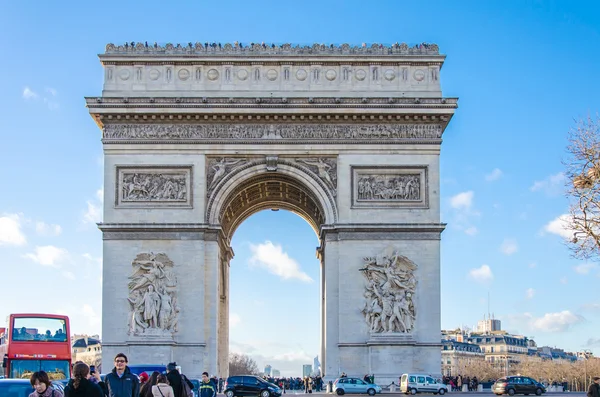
(523, 70)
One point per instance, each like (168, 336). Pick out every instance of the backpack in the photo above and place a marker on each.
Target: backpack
(187, 391)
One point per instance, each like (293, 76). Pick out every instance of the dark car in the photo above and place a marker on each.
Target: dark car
(21, 387)
(512, 385)
(250, 385)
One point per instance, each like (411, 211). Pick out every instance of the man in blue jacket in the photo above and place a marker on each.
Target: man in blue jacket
(121, 382)
(207, 387)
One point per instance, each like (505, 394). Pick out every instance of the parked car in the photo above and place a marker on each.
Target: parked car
(250, 385)
(512, 385)
(342, 386)
(421, 383)
(21, 387)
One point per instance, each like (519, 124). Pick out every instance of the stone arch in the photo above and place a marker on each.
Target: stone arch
(252, 188)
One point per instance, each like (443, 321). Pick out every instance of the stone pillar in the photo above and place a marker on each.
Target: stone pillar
(211, 303)
(186, 249)
(223, 330)
(331, 321)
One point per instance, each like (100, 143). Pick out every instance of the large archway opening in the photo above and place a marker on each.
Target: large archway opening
(274, 300)
(272, 290)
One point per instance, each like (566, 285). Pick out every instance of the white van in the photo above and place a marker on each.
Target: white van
(421, 383)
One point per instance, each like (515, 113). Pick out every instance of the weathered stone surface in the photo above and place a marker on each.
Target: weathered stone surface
(196, 138)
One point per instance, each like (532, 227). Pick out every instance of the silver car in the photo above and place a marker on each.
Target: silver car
(342, 386)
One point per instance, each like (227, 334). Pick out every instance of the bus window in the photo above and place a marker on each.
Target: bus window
(39, 329)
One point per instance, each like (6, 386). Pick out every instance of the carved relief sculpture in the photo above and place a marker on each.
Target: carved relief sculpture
(218, 168)
(153, 185)
(268, 131)
(152, 296)
(324, 168)
(389, 292)
(382, 187)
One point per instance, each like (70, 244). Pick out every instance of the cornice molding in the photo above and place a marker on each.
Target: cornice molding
(262, 49)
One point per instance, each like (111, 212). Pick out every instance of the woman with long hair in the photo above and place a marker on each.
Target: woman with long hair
(42, 385)
(162, 388)
(81, 385)
(146, 390)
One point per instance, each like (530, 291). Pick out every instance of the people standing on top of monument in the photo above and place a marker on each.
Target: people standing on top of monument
(162, 387)
(176, 380)
(121, 382)
(207, 387)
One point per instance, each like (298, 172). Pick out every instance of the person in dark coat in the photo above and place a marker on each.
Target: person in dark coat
(176, 380)
(80, 385)
(594, 390)
(121, 382)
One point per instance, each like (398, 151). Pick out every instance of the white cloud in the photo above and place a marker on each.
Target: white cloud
(10, 230)
(494, 175)
(45, 229)
(585, 268)
(271, 257)
(471, 231)
(234, 320)
(93, 213)
(48, 255)
(94, 208)
(529, 293)
(481, 274)
(552, 185)
(509, 246)
(549, 322)
(89, 312)
(556, 322)
(28, 93)
(560, 226)
(462, 200)
(51, 91)
(68, 275)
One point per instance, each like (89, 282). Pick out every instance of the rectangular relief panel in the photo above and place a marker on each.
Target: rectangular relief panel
(153, 186)
(390, 187)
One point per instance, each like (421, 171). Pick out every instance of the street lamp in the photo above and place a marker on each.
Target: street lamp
(585, 355)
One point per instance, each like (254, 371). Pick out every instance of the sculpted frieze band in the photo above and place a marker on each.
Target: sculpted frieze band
(153, 185)
(361, 132)
(389, 186)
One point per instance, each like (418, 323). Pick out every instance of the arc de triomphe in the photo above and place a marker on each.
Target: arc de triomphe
(198, 137)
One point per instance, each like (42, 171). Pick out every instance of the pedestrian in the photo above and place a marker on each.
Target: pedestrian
(594, 390)
(42, 385)
(207, 388)
(176, 380)
(146, 390)
(121, 382)
(162, 388)
(82, 385)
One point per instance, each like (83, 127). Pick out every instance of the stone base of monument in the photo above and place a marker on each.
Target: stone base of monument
(391, 338)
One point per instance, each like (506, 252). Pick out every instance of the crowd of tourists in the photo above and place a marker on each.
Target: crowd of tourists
(456, 383)
(307, 384)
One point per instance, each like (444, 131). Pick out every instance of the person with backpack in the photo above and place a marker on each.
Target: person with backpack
(182, 387)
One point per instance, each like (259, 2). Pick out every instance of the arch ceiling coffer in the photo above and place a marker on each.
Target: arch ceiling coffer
(269, 191)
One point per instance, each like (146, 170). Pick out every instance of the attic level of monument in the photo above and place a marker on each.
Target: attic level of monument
(260, 71)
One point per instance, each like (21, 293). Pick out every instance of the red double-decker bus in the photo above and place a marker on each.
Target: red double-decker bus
(34, 342)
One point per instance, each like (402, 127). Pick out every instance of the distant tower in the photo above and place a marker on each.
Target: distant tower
(268, 369)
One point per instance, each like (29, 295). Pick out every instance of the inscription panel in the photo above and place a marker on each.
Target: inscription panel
(388, 187)
(153, 186)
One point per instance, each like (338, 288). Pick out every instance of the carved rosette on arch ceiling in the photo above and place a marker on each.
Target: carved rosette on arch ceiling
(389, 293)
(153, 296)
